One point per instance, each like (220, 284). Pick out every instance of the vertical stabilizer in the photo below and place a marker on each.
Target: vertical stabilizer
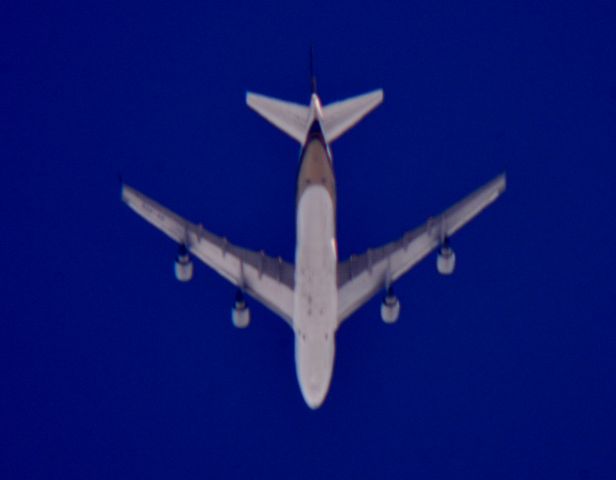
(313, 77)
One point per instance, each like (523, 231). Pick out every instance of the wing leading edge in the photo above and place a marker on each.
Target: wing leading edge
(361, 277)
(269, 280)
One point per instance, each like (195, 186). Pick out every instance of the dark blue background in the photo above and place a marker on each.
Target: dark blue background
(109, 368)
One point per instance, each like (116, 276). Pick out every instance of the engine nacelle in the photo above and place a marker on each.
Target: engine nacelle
(390, 309)
(446, 260)
(240, 317)
(183, 266)
(240, 313)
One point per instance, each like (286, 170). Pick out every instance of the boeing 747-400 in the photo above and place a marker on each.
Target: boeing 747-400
(316, 293)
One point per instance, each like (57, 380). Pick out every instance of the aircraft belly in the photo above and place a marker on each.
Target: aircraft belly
(316, 296)
(316, 258)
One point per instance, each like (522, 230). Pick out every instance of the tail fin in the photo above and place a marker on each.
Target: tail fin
(313, 77)
(295, 119)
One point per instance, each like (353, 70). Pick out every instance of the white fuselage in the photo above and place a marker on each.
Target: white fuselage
(316, 295)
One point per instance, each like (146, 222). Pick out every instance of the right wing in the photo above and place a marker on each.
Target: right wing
(269, 280)
(361, 277)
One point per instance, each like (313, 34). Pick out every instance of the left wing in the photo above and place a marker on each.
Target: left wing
(361, 277)
(269, 280)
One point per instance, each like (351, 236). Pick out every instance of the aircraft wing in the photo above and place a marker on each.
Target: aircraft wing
(361, 277)
(269, 280)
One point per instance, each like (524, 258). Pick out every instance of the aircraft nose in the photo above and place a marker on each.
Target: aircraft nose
(315, 361)
(314, 392)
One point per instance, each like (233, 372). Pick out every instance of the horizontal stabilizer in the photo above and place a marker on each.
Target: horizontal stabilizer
(289, 117)
(338, 117)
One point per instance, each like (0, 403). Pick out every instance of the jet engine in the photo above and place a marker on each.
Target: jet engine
(390, 307)
(183, 265)
(446, 259)
(240, 313)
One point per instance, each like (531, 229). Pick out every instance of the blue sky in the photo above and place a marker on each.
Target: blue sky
(112, 369)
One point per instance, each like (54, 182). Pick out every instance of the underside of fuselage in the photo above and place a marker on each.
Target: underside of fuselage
(316, 295)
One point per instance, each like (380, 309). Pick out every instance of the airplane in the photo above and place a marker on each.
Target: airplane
(317, 293)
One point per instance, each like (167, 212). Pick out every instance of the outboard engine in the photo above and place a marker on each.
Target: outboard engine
(183, 265)
(446, 259)
(240, 313)
(390, 308)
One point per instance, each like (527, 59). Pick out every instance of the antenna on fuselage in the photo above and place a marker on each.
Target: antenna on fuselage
(313, 77)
